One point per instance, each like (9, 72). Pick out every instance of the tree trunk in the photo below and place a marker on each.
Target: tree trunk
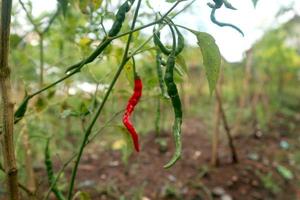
(10, 165)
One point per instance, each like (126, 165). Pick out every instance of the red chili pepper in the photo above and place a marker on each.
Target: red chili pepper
(134, 99)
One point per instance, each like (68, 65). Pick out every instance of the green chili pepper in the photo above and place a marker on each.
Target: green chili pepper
(180, 41)
(159, 44)
(160, 74)
(20, 112)
(120, 17)
(176, 103)
(173, 93)
(165, 50)
(218, 4)
(114, 30)
(51, 178)
(180, 38)
(163, 62)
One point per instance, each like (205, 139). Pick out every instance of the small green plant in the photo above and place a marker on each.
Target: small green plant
(269, 182)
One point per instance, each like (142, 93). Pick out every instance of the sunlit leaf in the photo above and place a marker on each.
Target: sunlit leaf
(211, 57)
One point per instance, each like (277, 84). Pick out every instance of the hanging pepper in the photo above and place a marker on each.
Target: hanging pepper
(134, 99)
(159, 44)
(120, 18)
(180, 41)
(175, 99)
(114, 30)
(176, 103)
(218, 4)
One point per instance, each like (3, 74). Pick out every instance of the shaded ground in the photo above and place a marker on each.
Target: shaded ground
(256, 176)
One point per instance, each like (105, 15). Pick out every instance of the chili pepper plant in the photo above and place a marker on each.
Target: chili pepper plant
(109, 23)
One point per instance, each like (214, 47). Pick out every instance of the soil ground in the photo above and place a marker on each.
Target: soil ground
(103, 175)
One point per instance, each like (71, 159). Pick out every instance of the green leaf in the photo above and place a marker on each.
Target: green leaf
(285, 172)
(254, 2)
(211, 57)
(181, 62)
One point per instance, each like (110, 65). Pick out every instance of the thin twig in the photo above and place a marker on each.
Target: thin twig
(96, 53)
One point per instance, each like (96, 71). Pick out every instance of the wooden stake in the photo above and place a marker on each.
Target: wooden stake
(10, 165)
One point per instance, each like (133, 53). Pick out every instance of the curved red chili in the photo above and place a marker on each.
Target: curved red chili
(134, 99)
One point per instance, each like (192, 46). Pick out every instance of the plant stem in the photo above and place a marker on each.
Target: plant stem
(10, 165)
(41, 45)
(147, 25)
(100, 49)
(100, 108)
(234, 155)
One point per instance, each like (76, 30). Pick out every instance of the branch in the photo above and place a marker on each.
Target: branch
(74, 69)
(51, 20)
(29, 17)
